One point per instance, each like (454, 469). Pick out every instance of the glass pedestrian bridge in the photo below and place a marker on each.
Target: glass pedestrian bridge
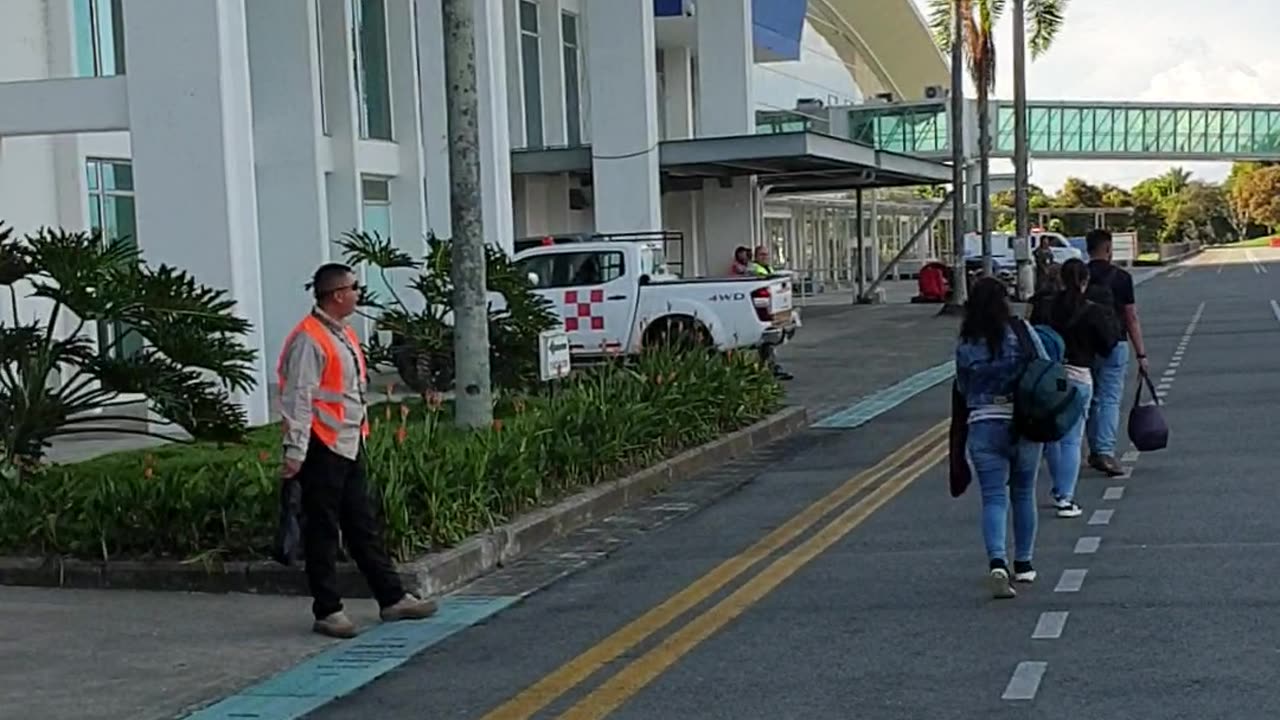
(1060, 130)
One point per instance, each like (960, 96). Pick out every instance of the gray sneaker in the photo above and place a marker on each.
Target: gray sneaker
(409, 607)
(337, 625)
(998, 582)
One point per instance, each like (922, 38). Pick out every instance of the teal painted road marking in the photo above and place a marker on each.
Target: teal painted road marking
(348, 666)
(882, 401)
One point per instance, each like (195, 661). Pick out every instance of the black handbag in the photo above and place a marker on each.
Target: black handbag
(1148, 430)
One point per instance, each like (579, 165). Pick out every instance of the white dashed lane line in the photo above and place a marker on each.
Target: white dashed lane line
(1027, 676)
(1050, 625)
(1071, 581)
(1025, 682)
(1101, 517)
(1088, 545)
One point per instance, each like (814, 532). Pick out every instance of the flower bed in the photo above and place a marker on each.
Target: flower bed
(437, 484)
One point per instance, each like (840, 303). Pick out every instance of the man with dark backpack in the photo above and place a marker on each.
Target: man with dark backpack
(1113, 287)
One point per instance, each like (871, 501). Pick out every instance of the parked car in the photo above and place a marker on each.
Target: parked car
(616, 295)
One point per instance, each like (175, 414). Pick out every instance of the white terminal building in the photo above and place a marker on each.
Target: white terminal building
(237, 139)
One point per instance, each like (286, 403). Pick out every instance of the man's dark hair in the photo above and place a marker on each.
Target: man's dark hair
(329, 277)
(1097, 240)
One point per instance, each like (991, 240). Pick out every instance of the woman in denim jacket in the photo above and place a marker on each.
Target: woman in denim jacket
(989, 359)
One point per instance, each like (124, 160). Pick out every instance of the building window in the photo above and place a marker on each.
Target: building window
(375, 213)
(99, 37)
(531, 62)
(572, 79)
(324, 110)
(373, 85)
(111, 212)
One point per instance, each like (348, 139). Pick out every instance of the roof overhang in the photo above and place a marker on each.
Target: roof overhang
(785, 162)
(890, 37)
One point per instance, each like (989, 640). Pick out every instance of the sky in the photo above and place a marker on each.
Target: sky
(1130, 50)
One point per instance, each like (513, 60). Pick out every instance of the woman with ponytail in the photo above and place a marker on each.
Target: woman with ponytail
(1090, 332)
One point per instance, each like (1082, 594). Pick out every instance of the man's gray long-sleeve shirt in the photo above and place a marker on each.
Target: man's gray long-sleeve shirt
(302, 365)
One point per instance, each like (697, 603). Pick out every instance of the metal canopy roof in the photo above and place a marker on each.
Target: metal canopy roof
(786, 162)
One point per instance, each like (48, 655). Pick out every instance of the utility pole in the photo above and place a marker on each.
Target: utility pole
(960, 286)
(1021, 209)
(473, 402)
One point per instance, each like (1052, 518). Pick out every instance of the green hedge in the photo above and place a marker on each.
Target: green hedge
(437, 484)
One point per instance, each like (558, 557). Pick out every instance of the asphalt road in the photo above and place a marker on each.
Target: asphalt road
(1167, 606)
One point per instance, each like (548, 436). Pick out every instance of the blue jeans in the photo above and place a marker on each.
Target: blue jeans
(1063, 456)
(1005, 467)
(1108, 388)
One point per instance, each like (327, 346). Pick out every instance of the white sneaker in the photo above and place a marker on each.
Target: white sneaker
(1067, 508)
(998, 582)
(1027, 576)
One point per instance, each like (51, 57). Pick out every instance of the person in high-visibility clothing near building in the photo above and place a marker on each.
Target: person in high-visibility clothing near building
(323, 384)
(762, 267)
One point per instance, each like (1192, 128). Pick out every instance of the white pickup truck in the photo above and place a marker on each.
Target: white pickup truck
(618, 296)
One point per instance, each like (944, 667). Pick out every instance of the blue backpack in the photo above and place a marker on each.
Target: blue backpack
(1046, 405)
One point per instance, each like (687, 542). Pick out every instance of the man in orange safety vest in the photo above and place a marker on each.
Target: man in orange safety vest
(323, 382)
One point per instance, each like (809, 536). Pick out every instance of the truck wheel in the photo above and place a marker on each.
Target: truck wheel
(680, 331)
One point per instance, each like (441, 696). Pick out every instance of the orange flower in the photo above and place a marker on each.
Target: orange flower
(264, 456)
(497, 424)
(401, 434)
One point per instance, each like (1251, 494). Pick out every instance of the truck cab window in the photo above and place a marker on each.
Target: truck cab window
(571, 269)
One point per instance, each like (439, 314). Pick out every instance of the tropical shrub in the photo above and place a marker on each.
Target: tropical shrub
(422, 339)
(176, 342)
(437, 484)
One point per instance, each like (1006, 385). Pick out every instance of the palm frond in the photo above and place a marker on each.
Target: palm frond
(940, 21)
(1045, 19)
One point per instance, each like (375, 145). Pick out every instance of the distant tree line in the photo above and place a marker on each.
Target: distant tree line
(1170, 207)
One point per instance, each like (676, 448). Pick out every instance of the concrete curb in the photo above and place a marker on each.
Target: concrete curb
(431, 574)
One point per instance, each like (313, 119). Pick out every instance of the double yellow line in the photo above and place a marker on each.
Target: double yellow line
(901, 467)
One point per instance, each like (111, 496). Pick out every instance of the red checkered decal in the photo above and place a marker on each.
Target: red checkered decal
(579, 307)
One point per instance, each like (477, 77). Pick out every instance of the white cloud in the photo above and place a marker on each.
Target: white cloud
(1149, 50)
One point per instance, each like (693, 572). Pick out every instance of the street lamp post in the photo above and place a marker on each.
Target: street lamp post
(960, 284)
(1021, 210)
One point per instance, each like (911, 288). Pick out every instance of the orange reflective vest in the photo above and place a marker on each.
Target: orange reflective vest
(329, 405)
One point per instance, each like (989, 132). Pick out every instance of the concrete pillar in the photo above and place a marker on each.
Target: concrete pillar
(283, 55)
(680, 209)
(408, 211)
(193, 153)
(726, 104)
(677, 101)
(342, 180)
(624, 119)
(495, 134)
(551, 46)
(510, 40)
(434, 117)
(495, 142)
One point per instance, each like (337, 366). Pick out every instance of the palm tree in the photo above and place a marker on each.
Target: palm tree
(1044, 20)
(980, 18)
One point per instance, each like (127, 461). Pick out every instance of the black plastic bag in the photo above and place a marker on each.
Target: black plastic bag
(288, 545)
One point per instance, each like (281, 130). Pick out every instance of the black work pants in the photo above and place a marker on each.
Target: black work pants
(335, 497)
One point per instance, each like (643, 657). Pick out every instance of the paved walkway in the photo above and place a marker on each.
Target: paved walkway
(148, 656)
